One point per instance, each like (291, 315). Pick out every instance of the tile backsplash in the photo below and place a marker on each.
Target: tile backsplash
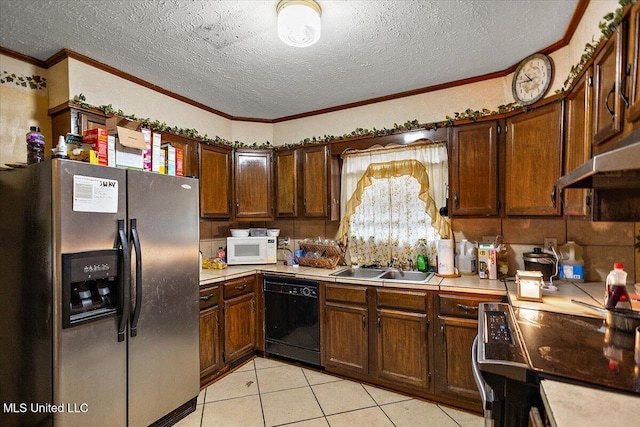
(603, 242)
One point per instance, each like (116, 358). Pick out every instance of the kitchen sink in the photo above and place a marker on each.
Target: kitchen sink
(383, 274)
(359, 273)
(406, 276)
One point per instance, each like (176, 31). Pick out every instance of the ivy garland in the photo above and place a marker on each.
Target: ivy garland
(32, 82)
(607, 27)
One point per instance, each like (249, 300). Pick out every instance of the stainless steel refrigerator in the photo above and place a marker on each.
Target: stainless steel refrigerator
(99, 296)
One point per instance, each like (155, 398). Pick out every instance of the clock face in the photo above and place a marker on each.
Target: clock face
(532, 79)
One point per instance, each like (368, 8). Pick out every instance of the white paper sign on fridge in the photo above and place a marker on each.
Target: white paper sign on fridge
(91, 194)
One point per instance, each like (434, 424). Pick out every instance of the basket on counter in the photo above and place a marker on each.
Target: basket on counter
(330, 255)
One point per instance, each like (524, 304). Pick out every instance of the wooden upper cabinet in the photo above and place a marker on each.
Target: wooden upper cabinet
(286, 180)
(534, 161)
(315, 172)
(189, 149)
(633, 82)
(608, 71)
(253, 185)
(474, 169)
(577, 147)
(215, 181)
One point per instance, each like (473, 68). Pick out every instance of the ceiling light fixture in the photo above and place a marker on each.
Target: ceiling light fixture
(299, 22)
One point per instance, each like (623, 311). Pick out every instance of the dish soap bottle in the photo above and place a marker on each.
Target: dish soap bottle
(422, 262)
(616, 294)
(221, 254)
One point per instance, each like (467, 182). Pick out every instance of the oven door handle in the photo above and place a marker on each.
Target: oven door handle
(486, 393)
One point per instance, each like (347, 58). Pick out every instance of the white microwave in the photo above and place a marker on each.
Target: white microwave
(251, 250)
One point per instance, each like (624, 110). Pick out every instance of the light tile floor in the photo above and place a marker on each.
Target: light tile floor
(267, 392)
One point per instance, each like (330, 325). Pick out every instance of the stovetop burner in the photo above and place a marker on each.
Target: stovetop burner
(580, 349)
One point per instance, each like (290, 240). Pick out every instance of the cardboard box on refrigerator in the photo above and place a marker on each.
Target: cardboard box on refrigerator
(179, 162)
(156, 152)
(170, 159)
(129, 143)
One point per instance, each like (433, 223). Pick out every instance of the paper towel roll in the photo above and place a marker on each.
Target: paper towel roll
(445, 257)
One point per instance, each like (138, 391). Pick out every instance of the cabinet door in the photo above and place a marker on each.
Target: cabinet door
(633, 113)
(474, 169)
(239, 326)
(315, 171)
(253, 190)
(345, 337)
(210, 360)
(402, 350)
(534, 161)
(286, 179)
(608, 71)
(453, 358)
(577, 148)
(215, 182)
(189, 153)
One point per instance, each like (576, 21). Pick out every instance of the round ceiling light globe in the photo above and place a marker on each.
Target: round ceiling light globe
(299, 22)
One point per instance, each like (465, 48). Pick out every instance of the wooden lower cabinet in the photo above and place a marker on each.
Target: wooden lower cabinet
(402, 337)
(457, 326)
(239, 318)
(210, 355)
(228, 326)
(345, 330)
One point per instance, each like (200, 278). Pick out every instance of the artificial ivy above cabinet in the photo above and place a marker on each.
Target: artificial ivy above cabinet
(534, 161)
(473, 159)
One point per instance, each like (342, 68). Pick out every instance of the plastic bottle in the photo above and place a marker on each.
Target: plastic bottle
(35, 145)
(466, 258)
(221, 254)
(571, 262)
(616, 294)
(60, 152)
(422, 263)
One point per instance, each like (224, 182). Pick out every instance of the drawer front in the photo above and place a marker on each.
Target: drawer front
(240, 286)
(463, 305)
(209, 296)
(402, 299)
(346, 293)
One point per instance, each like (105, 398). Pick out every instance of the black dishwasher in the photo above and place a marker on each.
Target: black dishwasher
(292, 327)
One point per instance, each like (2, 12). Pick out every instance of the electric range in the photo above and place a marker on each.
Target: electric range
(517, 347)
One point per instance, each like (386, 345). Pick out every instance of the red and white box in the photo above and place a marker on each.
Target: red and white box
(98, 139)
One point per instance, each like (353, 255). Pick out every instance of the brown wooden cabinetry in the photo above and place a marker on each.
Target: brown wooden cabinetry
(252, 184)
(239, 310)
(608, 73)
(474, 169)
(454, 334)
(215, 181)
(577, 147)
(345, 329)
(315, 181)
(228, 325)
(534, 161)
(633, 82)
(302, 180)
(75, 120)
(286, 180)
(210, 355)
(402, 337)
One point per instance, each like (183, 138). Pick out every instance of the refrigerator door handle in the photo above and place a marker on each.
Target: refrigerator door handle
(125, 282)
(138, 305)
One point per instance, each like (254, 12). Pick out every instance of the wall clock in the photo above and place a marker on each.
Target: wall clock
(532, 79)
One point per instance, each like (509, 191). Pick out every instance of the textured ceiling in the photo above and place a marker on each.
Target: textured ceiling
(227, 55)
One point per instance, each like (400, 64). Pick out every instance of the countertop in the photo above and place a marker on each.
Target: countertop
(468, 284)
(568, 405)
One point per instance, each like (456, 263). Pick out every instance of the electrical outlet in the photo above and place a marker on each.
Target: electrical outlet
(549, 243)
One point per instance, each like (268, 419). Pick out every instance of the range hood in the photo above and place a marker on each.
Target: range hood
(615, 169)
